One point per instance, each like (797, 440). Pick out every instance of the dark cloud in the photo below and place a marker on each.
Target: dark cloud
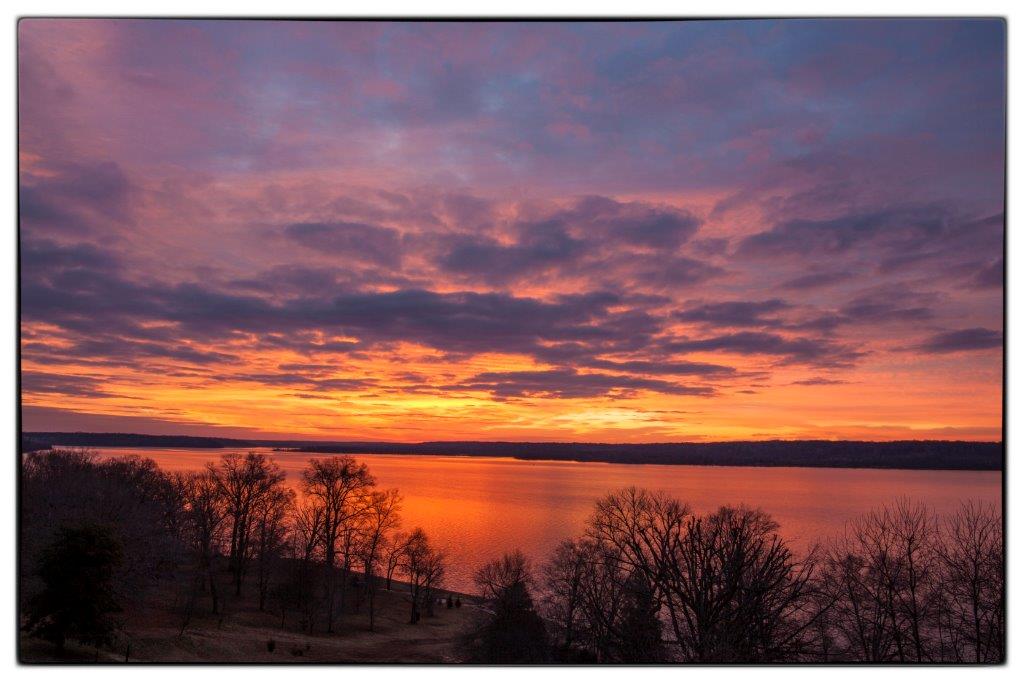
(989, 277)
(817, 280)
(798, 350)
(593, 237)
(78, 386)
(710, 246)
(360, 241)
(734, 313)
(819, 382)
(635, 223)
(663, 274)
(890, 228)
(645, 367)
(41, 255)
(888, 304)
(295, 279)
(75, 198)
(298, 380)
(95, 302)
(40, 418)
(971, 339)
(568, 383)
(540, 246)
(825, 323)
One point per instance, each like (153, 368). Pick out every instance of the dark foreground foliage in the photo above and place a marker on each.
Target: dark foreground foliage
(78, 599)
(99, 535)
(902, 585)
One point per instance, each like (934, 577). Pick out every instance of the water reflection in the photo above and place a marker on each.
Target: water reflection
(477, 508)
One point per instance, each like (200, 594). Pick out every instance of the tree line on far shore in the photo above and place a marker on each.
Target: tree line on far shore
(648, 580)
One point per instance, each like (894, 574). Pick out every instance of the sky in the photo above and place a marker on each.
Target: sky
(638, 231)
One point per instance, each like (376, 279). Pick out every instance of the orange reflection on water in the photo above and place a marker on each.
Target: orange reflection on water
(477, 508)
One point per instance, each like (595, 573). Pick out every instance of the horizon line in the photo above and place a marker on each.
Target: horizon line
(503, 441)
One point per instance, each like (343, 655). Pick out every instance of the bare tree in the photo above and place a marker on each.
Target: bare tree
(394, 550)
(271, 516)
(737, 592)
(564, 576)
(243, 481)
(881, 575)
(337, 486)
(637, 534)
(424, 566)
(381, 518)
(495, 578)
(972, 615)
(204, 521)
(512, 632)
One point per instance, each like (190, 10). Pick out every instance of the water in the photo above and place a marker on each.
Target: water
(476, 508)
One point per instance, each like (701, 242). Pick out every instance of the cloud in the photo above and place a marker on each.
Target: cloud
(568, 383)
(75, 198)
(819, 382)
(360, 241)
(77, 386)
(817, 280)
(299, 380)
(989, 277)
(668, 274)
(888, 304)
(890, 228)
(799, 350)
(95, 302)
(540, 246)
(970, 339)
(41, 255)
(592, 237)
(646, 367)
(636, 224)
(44, 418)
(734, 313)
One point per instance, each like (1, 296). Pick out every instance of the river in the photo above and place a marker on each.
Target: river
(477, 507)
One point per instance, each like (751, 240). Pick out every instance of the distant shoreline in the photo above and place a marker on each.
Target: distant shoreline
(915, 455)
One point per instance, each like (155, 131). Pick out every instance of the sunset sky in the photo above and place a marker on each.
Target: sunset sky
(517, 231)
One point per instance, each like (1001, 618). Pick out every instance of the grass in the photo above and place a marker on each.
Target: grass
(153, 631)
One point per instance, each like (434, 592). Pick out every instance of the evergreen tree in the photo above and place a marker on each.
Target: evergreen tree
(78, 599)
(514, 634)
(638, 629)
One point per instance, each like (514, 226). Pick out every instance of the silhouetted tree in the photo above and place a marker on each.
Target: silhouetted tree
(128, 495)
(637, 632)
(741, 594)
(971, 585)
(906, 586)
(336, 486)
(424, 566)
(563, 600)
(78, 599)
(382, 508)
(513, 632)
(203, 521)
(394, 550)
(243, 481)
(297, 591)
(270, 535)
